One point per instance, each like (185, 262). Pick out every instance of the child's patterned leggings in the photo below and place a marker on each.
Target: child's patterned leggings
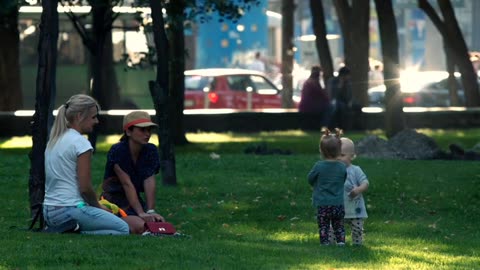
(356, 226)
(357, 229)
(331, 214)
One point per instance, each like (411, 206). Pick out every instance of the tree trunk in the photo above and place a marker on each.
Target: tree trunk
(321, 42)
(455, 47)
(104, 86)
(354, 22)
(45, 95)
(461, 54)
(11, 97)
(288, 8)
(161, 97)
(452, 81)
(394, 121)
(177, 64)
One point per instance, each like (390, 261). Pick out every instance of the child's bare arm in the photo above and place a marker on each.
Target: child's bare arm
(359, 190)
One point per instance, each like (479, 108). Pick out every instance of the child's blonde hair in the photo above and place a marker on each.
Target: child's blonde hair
(348, 147)
(330, 144)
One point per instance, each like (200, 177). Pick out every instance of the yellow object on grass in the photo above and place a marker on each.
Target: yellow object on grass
(113, 207)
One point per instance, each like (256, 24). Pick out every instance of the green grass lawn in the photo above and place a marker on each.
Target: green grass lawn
(253, 212)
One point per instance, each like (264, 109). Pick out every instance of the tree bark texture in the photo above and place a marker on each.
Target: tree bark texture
(11, 97)
(354, 22)
(176, 35)
(105, 88)
(288, 8)
(394, 121)
(452, 81)
(45, 94)
(461, 54)
(321, 42)
(161, 97)
(456, 47)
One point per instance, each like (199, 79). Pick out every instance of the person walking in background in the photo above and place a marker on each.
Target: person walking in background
(257, 63)
(355, 185)
(327, 178)
(131, 167)
(340, 89)
(69, 194)
(375, 76)
(314, 99)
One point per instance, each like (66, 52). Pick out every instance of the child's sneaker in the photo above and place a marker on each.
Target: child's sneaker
(147, 233)
(341, 244)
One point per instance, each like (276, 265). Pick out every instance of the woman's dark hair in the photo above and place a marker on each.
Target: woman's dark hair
(343, 71)
(124, 136)
(315, 71)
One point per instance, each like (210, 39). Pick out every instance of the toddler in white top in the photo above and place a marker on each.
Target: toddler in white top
(355, 185)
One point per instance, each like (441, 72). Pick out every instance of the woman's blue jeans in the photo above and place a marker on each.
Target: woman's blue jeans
(92, 220)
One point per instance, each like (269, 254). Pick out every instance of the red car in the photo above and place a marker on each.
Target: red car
(221, 88)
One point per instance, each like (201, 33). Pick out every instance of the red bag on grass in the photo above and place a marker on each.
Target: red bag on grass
(160, 228)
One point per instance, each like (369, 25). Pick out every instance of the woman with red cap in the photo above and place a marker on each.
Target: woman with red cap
(131, 167)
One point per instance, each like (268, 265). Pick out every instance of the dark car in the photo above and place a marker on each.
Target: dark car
(421, 89)
(230, 88)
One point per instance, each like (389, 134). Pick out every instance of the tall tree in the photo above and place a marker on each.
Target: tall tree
(11, 97)
(387, 24)
(455, 47)
(177, 14)
(45, 95)
(321, 42)
(288, 8)
(105, 88)
(354, 23)
(175, 32)
(98, 41)
(159, 90)
(168, 89)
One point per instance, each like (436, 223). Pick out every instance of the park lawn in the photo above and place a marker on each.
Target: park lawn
(253, 212)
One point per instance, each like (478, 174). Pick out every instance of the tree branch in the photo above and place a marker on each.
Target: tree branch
(432, 14)
(80, 30)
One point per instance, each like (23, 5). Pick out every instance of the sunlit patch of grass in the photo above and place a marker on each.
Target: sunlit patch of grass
(423, 254)
(466, 138)
(292, 236)
(210, 137)
(17, 142)
(111, 139)
(289, 133)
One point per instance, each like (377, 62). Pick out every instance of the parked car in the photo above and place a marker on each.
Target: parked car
(230, 88)
(420, 89)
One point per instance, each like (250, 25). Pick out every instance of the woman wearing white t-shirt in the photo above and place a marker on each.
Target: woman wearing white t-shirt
(69, 194)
